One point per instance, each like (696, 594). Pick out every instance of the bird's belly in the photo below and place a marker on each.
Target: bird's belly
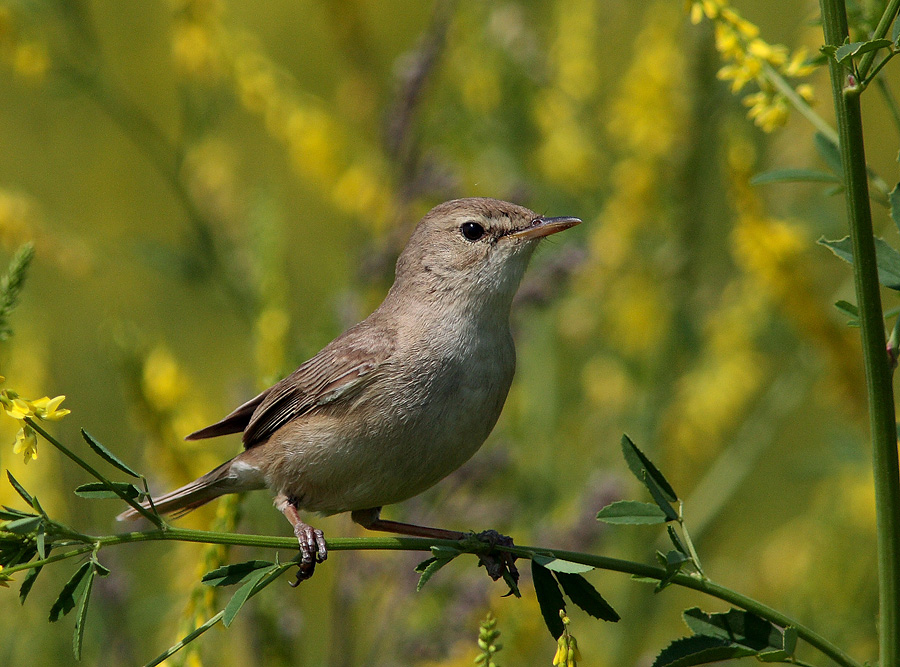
(382, 451)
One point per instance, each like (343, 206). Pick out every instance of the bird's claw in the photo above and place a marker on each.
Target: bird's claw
(312, 550)
(499, 564)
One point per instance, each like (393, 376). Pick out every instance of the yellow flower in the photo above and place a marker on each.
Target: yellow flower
(3, 578)
(48, 408)
(748, 58)
(26, 443)
(18, 408)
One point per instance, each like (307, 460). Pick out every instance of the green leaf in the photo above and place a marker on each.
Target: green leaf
(236, 573)
(676, 541)
(81, 614)
(737, 626)
(660, 498)
(674, 561)
(858, 48)
(100, 569)
(66, 600)
(583, 594)
(429, 567)
(11, 286)
(28, 582)
(242, 594)
(829, 152)
(887, 257)
(40, 542)
(847, 308)
(895, 32)
(794, 176)
(559, 565)
(11, 514)
(894, 198)
(20, 489)
(95, 490)
(107, 455)
(632, 512)
(699, 650)
(24, 526)
(639, 464)
(550, 599)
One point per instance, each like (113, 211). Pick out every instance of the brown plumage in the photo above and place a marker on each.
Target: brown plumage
(400, 400)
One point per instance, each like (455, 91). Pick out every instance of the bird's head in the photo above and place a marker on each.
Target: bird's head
(476, 247)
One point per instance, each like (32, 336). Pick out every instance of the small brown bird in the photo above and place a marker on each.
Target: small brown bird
(399, 401)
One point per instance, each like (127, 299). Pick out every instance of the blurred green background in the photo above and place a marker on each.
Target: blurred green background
(217, 188)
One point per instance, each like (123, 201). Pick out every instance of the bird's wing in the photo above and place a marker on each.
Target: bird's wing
(339, 371)
(234, 423)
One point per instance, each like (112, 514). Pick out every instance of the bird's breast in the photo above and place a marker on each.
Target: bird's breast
(427, 411)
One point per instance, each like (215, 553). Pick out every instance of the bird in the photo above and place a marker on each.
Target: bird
(398, 401)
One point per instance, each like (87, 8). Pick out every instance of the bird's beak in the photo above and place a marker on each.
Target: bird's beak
(541, 227)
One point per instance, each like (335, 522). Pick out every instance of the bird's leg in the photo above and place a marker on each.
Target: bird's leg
(497, 564)
(312, 541)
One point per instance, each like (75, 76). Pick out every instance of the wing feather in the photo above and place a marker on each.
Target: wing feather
(235, 422)
(339, 371)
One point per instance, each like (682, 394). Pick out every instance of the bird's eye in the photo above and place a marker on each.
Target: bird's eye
(472, 230)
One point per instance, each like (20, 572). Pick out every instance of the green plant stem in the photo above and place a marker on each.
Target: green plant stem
(422, 544)
(881, 30)
(155, 519)
(883, 426)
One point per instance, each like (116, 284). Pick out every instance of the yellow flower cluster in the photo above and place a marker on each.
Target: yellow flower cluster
(204, 49)
(710, 398)
(45, 409)
(775, 255)
(4, 578)
(28, 58)
(748, 58)
(567, 653)
(645, 120)
(198, 42)
(567, 154)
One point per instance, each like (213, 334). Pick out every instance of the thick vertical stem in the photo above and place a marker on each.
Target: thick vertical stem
(878, 372)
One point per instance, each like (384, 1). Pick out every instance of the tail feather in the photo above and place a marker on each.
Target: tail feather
(227, 478)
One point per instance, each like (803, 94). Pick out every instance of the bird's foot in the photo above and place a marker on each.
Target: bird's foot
(499, 564)
(312, 550)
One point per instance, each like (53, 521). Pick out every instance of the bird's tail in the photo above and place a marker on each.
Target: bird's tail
(231, 477)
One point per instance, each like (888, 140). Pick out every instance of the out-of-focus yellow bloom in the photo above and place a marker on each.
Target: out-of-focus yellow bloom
(748, 58)
(26, 443)
(272, 327)
(567, 154)
(31, 61)
(195, 52)
(627, 242)
(361, 190)
(18, 408)
(607, 383)
(4, 578)
(17, 216)
(774, 254)
(163, 383)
